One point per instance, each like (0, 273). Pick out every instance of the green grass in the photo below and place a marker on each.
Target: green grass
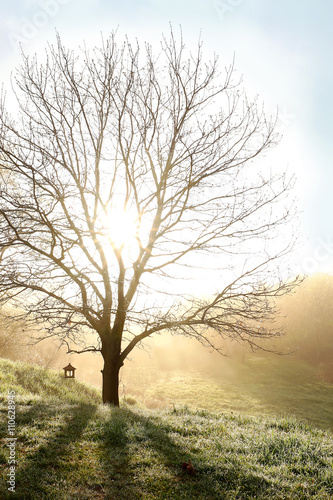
(32, 383)
(71, 447)
(276, 386)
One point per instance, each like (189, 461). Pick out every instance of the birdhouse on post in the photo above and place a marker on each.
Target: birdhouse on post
(69, 371)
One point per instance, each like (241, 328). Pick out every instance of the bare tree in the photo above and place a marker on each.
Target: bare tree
(122, 174)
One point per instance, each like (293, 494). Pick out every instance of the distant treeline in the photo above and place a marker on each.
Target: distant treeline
(18, 344)
(306, 317)
(309, 322)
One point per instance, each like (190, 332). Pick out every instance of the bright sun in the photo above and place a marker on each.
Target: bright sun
(122, 228)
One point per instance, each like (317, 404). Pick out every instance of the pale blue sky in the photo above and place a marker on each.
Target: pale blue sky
(283, 48)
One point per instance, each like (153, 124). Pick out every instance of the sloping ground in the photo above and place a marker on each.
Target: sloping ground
(30, 382)
(68, 446)
(277, 386)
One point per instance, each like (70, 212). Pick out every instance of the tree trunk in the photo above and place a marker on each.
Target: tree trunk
(111, 355)
(110, 389)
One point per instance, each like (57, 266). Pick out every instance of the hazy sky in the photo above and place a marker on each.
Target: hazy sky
(283, 49)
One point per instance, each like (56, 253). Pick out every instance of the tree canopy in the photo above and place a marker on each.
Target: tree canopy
(123, 172)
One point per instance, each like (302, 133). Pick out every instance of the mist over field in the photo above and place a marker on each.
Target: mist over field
(250, 418)
(172, 370)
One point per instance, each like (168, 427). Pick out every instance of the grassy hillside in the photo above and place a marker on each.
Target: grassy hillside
(71, 447)
(276, 386)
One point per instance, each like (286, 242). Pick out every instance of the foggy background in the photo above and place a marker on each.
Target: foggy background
(306, 316)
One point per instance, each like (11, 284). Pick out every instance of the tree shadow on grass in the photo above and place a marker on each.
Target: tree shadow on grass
(51, 463)
(143, 458)
(136, 456)
(140, 457)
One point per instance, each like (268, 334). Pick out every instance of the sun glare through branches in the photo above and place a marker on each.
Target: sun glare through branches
(121, 228)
